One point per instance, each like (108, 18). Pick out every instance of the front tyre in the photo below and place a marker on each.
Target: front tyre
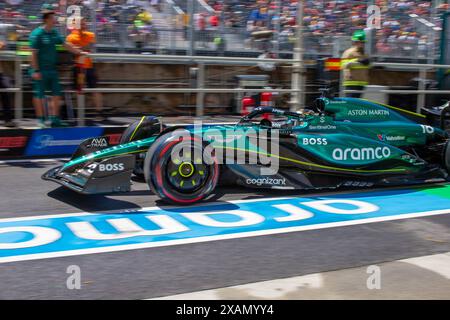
(181, 170)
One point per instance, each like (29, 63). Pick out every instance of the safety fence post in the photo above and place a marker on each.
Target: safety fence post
(18, 97)
(297, 81)
(421, 87)
(200, 95)
(341, 83)
(81, 100)
(191, 27)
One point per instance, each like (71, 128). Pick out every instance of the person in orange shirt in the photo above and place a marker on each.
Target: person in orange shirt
(84, 71)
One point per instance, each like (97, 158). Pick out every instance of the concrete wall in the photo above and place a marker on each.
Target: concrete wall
(124, 75)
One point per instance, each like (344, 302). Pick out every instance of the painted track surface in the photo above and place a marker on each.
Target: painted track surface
(163, 271)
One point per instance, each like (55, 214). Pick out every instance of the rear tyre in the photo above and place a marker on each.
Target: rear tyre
(447, 157)
(181, 170)
(146, 127)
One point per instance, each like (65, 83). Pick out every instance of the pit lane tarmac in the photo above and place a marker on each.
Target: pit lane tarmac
(125, 244)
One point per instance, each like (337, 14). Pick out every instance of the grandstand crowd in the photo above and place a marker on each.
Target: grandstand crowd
(322, 19)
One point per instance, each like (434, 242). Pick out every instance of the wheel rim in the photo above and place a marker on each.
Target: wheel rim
(165, 157)
(186, 170)
(187, 175)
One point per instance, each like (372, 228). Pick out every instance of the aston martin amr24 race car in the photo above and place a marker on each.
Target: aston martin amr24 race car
(339, 142)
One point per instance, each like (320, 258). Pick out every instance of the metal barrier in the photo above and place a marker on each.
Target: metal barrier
(421, 92)
(202, 61)
(18, 101)
(122, 38)
(116, 31)
(185, 59)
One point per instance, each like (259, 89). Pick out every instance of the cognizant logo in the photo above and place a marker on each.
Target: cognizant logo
(361, 153)
(266, 181)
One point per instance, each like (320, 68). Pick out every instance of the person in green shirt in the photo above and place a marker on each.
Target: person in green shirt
(44, 40)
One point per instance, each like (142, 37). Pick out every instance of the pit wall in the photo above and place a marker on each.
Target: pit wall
(132, 75)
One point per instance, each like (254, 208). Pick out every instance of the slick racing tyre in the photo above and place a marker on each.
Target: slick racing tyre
(181, 170)
(146, 127)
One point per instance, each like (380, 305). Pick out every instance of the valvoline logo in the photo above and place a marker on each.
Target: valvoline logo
(384, 138)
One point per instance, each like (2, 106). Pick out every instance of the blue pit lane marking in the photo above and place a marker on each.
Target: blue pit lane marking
(77, 234)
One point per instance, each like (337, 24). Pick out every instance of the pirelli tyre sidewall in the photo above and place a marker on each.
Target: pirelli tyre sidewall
(159, 169)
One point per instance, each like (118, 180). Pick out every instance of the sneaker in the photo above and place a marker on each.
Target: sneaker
(55, 122)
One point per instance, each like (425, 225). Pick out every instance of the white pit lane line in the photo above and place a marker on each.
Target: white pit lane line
(439, 263)
(69, 247)
(397, 280)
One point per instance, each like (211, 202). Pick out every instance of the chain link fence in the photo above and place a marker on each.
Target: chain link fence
(407, 30)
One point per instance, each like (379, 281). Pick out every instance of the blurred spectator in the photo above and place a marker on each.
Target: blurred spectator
(155, 4)
(356, 65)
(44, 40)
(144, 16)
(200, 27)
(324, 21)
(141, 30)
(214, 20)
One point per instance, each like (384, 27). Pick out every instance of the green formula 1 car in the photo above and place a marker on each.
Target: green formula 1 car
(339, 142)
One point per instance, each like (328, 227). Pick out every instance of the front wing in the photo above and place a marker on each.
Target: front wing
(107, 176)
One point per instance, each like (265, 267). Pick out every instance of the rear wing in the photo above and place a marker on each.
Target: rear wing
(438, 116)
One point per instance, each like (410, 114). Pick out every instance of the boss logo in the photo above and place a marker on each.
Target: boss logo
(315, 141)
(111, 167)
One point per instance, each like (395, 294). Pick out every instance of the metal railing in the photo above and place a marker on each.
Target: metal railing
(117, 30)
(174, 39)
(200, 61)
(201, 90)
(421, 92)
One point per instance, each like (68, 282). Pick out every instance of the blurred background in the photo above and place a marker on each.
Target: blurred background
(409, 29)
(410, 32)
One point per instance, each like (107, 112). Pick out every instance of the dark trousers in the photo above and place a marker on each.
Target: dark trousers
(354, 95)
(6, 100)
